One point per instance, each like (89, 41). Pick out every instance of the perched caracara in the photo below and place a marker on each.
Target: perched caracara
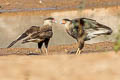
(37, 34)
(83, 29)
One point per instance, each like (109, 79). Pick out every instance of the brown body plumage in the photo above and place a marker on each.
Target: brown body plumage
(83, 29)
(37, 34)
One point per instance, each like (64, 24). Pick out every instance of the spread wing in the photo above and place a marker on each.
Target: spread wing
(41, 35)
(87, 23)
(90, 25)
(27, 33)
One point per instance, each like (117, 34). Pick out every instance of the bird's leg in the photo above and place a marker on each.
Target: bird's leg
(78, 51)
(46, 51)
(46, 46)
(39, 46)
(80, 46)
(41, 51)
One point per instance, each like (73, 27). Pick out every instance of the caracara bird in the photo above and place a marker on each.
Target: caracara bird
(83, 29)
(37, 34)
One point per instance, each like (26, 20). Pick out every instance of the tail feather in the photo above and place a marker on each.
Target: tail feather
(109, 30)
(21, 37)
(12, 43)
(100, 30)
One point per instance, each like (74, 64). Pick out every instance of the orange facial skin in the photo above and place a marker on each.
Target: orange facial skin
(63, 21)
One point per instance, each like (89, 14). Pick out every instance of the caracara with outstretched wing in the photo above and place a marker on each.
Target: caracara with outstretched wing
(83, 29)
(37, 34)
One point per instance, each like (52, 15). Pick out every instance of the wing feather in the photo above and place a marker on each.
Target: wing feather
(92, 27)
(28, 32)
(43, 33)
(90, 24)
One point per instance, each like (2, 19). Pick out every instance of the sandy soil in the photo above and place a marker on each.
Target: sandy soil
(103, 66)
(60, 49)
(97, 62)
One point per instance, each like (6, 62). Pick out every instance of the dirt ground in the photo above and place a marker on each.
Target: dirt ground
(60, 49)
(102, 66)
(97, 62)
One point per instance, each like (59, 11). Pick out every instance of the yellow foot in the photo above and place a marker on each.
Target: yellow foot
(38, 51)
(46, 51)
(78, 52)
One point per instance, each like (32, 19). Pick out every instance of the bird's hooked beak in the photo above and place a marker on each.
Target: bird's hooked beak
(54, 21)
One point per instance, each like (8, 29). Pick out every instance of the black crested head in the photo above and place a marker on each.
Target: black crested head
(66, 19)
(49, 18)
